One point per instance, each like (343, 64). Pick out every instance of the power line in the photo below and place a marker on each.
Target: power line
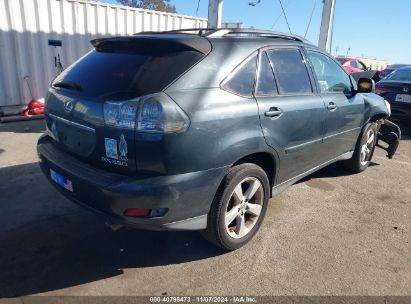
(279, 16)
(198, 6)
(285, 16)
(311, 17)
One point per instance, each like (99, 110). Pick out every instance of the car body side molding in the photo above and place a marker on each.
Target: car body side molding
(277, 189)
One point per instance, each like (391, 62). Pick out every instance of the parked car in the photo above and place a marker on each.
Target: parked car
(391, 68)
(396, 88)
(352, 65)
(197, 129)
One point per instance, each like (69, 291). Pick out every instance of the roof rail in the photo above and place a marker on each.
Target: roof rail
(195, 31)
(231, 32)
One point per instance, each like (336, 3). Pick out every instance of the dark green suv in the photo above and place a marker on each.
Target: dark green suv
(197, 129)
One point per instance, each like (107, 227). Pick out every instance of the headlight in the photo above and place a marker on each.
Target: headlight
(387, 104)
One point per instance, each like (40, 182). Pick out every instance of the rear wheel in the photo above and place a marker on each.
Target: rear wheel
(239, 207)
(364, 149)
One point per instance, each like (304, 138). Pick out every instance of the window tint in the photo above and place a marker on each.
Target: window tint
(241, 82)
(401, 75)
(331, 77)
(290, 71)
(361, 66)
(341, 60)
(353, 64)
(266, 82)
(120, 74)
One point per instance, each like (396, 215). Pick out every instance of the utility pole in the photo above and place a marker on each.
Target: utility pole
(215, 11)
(326, 30)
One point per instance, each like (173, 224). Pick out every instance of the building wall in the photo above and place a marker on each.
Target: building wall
(27, 25)
(375, 64)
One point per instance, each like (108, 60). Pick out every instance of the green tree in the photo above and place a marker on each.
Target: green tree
(156, 5)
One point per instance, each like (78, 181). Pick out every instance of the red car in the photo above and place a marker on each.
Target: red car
(352, 65)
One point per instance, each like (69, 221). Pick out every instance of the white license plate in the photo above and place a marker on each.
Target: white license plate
(403, 98)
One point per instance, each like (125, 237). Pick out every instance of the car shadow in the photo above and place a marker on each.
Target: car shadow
(43, 250)
(28, 126)
(333, 170)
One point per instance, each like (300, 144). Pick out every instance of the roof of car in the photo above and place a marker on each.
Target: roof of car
(404, 68)
(349, 58)
(230, 33)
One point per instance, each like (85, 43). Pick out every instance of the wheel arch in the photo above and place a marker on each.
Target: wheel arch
(267, 161)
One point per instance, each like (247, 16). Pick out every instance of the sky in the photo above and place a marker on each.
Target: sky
(370, 28)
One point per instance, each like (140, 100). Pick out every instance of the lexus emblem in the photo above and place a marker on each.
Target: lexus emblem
(68, 106)
(405, 90)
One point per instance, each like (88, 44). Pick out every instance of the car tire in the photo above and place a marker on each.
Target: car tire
(364, 149)
(239, 207)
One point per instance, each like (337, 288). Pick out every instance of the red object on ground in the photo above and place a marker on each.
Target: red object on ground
(34, 107)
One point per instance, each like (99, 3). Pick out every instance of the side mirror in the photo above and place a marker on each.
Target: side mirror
(365, 85)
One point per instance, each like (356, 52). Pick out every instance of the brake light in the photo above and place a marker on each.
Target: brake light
(379, 89)
(155, 113)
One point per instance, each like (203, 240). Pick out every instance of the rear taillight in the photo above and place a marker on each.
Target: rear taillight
(156, 113)
(379, 89)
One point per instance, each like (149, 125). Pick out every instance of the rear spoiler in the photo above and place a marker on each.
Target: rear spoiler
(154, 42)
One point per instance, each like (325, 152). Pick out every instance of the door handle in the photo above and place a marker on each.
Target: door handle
(273, 112)
(331, 106)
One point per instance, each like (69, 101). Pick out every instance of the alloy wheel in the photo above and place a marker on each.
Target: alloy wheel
(244, 207)
(367, 147)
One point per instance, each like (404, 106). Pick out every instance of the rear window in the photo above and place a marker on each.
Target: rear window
(400, 75)
(340, 60)
(241, 82)
(122, 74)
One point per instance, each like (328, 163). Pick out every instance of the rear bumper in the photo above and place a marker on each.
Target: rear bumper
(187, 197)
(389, 133)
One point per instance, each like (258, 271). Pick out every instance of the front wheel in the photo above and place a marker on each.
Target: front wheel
(364, 149)
(238, 207)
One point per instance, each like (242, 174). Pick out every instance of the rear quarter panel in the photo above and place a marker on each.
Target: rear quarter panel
(223, 128)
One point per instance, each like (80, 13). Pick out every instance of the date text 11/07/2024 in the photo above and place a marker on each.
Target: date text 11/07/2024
(205, 299)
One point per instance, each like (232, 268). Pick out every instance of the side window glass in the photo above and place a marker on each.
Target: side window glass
(290, 71)
(241, 82)
(331, 77)
(361, 66)
(266, 82)
(353, 64)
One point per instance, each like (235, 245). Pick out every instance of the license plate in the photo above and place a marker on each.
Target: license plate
(61, 180)
(403, 98)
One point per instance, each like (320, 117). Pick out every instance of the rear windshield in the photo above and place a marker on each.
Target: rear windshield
(400, 75)
(121, 74)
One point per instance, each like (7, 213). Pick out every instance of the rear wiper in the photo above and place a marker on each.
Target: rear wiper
(68, 85)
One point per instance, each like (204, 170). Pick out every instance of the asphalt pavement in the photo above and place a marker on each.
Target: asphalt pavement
(334, 233)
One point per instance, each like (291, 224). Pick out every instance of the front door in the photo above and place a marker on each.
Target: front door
(345, 110)
(291, 114)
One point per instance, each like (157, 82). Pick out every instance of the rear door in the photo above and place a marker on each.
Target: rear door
(291, 113)
(345, 111)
